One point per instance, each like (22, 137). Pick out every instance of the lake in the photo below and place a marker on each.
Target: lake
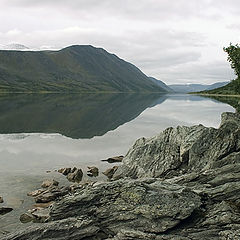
(40, 133)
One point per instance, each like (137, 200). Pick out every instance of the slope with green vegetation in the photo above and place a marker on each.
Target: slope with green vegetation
(73, 69)
(161, 84)
(233, 88)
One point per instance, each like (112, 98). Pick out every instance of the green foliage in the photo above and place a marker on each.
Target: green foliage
(237, 85)
(230, 89)
(233, 52)
(233, 88)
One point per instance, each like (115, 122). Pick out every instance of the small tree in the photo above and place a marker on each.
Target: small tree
(233, 52)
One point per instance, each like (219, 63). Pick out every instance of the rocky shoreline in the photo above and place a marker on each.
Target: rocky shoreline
(182, 184)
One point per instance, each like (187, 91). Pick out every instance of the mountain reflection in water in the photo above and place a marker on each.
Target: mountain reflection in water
(75, 116)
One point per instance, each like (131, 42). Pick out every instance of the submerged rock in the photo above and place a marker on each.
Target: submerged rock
(5, 210)
(1, 199)
(49, 183)
(64, 171)
(114, 159)
(26, 218)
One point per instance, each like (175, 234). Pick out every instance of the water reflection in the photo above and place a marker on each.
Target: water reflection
(231, 100)
(80, 116)
(25, 159)
(75, 116)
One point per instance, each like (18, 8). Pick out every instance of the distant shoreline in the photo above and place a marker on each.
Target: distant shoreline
(217, 95)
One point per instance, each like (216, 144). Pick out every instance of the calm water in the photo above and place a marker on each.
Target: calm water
(46, 132)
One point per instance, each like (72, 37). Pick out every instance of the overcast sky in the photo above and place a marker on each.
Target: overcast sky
(178, 41)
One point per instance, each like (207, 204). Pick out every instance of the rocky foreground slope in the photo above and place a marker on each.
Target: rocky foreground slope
(182, 184)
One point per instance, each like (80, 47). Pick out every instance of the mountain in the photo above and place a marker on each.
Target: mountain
(217, 85)
(185, 88)
(232, 88)
(161, 84)
(78, 68)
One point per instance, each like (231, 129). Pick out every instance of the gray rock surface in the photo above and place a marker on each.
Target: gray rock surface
(180, 150)
(146, 205)
(51, 194)
(183, 184)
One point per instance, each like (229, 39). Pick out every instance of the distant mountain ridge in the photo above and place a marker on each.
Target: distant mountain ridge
(161, 84)
(186, 88)
(232, 88)
(78, 68)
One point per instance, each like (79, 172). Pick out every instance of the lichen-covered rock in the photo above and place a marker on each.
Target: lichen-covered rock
(157, 156)
(71, 228)
(51, 194)
(179, 150)
(26, 218)
(148, 205)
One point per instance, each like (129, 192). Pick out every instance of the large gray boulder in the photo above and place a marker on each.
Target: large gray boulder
(180, 150)
(148, 206)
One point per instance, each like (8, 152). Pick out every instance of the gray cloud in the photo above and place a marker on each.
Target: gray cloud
(175, 41)
(210, 72)
(138, 9)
